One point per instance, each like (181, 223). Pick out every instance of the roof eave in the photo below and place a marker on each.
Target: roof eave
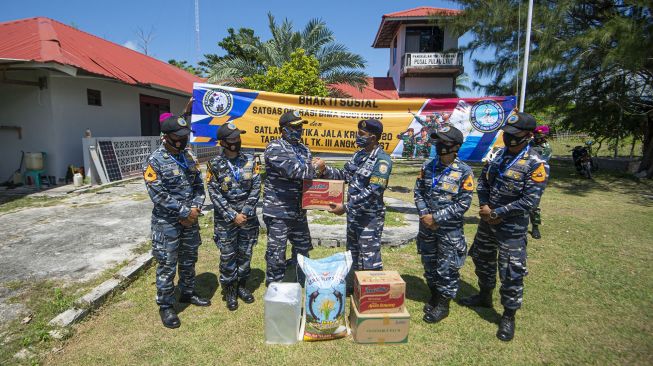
(29, 64)
(400, 19)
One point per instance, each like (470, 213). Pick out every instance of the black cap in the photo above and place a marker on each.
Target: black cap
(175, 125)
(373, 126)
(228, 130)
(291, 118)
(448, 133)
(519, 122)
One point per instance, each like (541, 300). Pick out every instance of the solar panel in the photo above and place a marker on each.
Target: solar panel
(110, 160)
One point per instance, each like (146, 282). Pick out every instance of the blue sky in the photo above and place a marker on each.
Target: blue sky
(173, 22)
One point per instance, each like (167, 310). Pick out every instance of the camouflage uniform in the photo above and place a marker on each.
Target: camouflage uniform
(545, 151)
(174, 184)
(367, 175)
(409, 145)
(232, 192)
(511, 194)
(423, 147)
(445, 193)
(286, 167)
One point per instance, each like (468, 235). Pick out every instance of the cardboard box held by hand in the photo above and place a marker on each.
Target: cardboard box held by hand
(317, 194)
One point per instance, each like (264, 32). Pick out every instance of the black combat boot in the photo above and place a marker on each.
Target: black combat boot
(506, 330)
(439, 312)
(194, 299)
(482, 299)
(535, 233)
(169, 318)
(244, 293)
(231, 296)
(433, 301)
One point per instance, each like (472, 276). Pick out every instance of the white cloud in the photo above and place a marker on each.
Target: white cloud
(131, 45)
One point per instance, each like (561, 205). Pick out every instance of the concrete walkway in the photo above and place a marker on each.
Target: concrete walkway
(76, 239)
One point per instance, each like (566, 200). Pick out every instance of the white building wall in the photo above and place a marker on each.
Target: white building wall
(395, 70)
(54, 120)
(119, 114)
(428, 85)
(425, 84)
(27, 107)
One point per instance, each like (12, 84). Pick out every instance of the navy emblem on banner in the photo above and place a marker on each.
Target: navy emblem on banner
(217, 102)
(486, 116)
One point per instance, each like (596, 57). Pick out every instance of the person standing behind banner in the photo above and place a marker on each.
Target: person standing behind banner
(509, 187)
(542, 147)
(234, 187)
(443, 193)
(174, 183)
(367, 174)
(408, 138)
(287, 164)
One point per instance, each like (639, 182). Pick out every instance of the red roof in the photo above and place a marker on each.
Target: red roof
(390, 22)
(422, 11)
(377, 88)
(383, 88)
(46, 40)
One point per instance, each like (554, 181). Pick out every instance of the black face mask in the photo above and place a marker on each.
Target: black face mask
(444, 149)
(512, 140)
(180, 145)
(232, 146)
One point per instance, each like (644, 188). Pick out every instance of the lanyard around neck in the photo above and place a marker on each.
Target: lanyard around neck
(235, 171)
(444, 172)
(183, 157)
(513, 161)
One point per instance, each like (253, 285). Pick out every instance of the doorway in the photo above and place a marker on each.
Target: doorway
(151, 109)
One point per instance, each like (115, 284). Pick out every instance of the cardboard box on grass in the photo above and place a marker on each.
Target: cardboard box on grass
(317, 194)
(385, 328)
(379, 292)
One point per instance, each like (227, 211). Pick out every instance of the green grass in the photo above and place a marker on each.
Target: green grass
(560, 148)
(29, 202)
(587, 299)
(45, 299)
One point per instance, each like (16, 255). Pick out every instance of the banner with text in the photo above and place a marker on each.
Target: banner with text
(333, 122)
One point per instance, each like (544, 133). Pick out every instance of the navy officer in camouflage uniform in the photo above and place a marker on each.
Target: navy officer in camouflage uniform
(367, 174)
(287, 164)
(234, 187)
(509, 187)
(174, 183)
(443, 193)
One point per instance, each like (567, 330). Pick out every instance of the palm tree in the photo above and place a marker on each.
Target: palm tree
(462, 83)
(337, 63)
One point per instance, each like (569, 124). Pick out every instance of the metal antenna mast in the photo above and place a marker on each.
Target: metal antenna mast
(197, 27)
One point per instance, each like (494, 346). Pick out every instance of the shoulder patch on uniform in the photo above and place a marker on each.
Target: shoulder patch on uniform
(257, 168)
(468, 184)
(383, 167)
(539, 175)
(150, 174)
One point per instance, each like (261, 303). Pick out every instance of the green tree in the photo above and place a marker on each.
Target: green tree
(462, 83)
(590, 61)
(300, 75)
(336, 64)
(242, 44)
(184, 65)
